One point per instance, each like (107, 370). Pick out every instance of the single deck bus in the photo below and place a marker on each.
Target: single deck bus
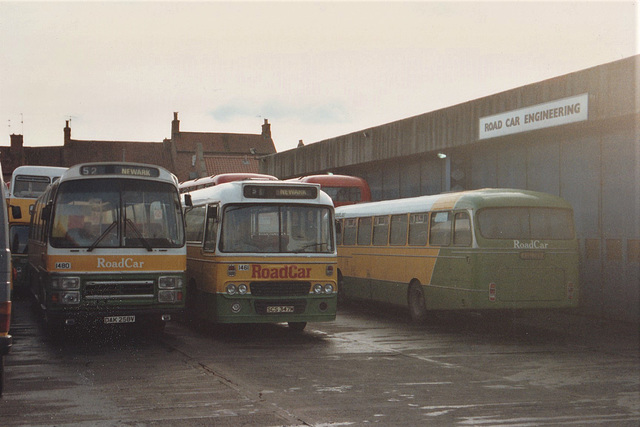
(209, 181)
(261, 251)
(6, 340)
(343, 189)
(486, 249)
(27, 184)
(107, 244)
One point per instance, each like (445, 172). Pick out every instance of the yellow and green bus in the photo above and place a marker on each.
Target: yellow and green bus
(106, 245)
(261, 252)
(490, 249)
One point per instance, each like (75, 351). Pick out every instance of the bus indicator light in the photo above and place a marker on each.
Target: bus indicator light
(492, 291)
(329, 270)
(231, 270)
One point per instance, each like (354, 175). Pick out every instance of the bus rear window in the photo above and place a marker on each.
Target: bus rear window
(526, 223)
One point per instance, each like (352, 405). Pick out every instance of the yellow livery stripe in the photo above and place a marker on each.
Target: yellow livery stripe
(115, 263)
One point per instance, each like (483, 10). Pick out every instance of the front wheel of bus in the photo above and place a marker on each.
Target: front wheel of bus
(297, 326)
(417, 305)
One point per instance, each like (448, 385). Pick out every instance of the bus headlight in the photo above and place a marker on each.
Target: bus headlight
(242, 289)
(169, 282)
(72, 297)
(231, 289)
(169, 296)
(318, 289)
(65, 283)
(328, 288)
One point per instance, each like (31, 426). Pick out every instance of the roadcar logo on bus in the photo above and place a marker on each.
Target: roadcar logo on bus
(533, 244)
(285, 272)
(121, 263)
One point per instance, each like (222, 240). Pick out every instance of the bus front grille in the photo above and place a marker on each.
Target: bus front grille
(114, 289)
(299, 306)
(280, 289)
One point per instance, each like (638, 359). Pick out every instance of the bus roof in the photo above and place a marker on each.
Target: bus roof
(331, 179)
(232, 192)
(119, 170)
(209, 181)
(473, 199)
(39, 170)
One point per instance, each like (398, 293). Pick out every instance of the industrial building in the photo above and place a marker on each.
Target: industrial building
(575, 136)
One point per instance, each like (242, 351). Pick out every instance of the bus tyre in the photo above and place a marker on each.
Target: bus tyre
(297, 326)
(417, 304)
(341, 296)
(54, 329)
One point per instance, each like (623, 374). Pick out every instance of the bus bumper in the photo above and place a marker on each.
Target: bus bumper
(120, 316)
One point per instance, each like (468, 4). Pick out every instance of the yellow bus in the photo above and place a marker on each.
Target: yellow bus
(27, 184)
(106, 245)
(261, 251)
(491, 249)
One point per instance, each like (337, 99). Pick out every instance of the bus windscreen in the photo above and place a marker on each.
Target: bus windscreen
(117, 213)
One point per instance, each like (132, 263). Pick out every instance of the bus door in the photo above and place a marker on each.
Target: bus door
(451, 231)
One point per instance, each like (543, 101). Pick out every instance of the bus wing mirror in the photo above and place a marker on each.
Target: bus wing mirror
(16, 212)
(46, 211)
(188, 202)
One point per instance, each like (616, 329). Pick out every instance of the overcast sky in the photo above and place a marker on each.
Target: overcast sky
(118, 71)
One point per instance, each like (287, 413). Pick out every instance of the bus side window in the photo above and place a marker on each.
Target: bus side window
(211, 228)
(349, 233)
(440, 229)
(461, 229)
(380, 230)
(364, 231)
(339, 228)
(418, 224)
(194, 224)
(398, 230)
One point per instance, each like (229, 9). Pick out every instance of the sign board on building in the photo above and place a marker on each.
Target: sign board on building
(554, 113)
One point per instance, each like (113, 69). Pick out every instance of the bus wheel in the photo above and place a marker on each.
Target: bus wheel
(417, 305)
(190, 304)
(297, 326)
(54, 328)
(341, 296)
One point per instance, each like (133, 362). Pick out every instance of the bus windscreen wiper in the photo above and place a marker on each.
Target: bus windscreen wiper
(102, 236)
(144, 241)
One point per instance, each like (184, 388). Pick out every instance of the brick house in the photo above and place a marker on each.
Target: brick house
(189, 155)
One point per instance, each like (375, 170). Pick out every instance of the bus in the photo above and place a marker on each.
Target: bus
(490, 249)
(209, 181)
(6, 340)
(343, 189)
(27, 184)
(107, 246)
(261, 252)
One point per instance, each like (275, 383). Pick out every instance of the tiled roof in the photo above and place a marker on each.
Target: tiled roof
(224, 143)
(226, 164)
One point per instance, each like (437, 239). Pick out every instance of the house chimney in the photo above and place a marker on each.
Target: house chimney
(175, 125)
(16, 142)
(67, 133)
(266, 129)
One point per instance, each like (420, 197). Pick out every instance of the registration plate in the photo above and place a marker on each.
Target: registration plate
(280, 309)
(120, 319)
